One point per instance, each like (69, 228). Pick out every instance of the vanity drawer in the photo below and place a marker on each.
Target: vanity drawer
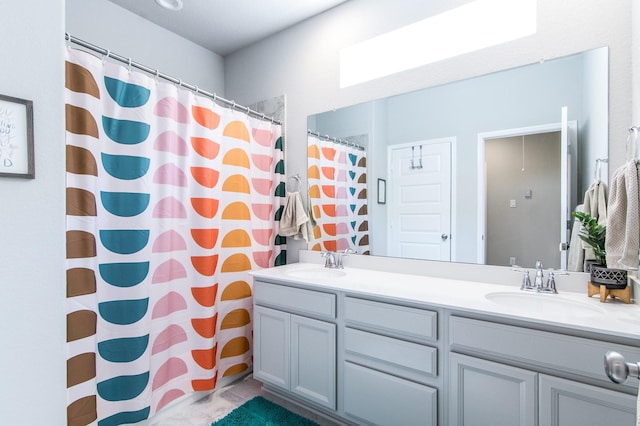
(394, 320)
(399, 357)
(382, 399)
(297, 300)
(560, 352)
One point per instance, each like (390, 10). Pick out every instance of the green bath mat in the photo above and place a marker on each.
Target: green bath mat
(261, 412)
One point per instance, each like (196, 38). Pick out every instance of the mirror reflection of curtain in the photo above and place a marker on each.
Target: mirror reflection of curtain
(338, 195)
(171, 201)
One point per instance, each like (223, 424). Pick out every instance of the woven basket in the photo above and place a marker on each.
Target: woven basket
(613, 279)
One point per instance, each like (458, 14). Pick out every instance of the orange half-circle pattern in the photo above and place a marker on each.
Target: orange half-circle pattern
(205, 296)
(205, 176)
(205, 238)
(313, 152)
(236, 263)
(236, 183)
(236, 157)
(236, 211)
(205, 117)
(236, 238)
(237, 130)
(205, 147)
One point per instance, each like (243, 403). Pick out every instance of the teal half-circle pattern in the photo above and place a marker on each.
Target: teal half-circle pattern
(126, 417)
(125, 167)
(125, 274)
(125, 204)
(123, 388)
(125, 132)
(126, 349)
(123, 312)
(126, 95)
(124, 241)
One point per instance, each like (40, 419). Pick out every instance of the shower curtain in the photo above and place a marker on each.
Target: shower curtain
(171, 201)
(338, 196)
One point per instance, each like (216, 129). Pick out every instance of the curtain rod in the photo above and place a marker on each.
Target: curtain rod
(155, 72)
(335, 140)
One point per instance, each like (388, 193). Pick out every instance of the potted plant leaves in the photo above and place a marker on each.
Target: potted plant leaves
(595, 235)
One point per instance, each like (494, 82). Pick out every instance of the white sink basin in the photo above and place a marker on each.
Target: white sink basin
(544, 303)
(316, 273)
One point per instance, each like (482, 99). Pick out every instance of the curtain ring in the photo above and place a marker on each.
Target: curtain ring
(129, 64)
(106, 56)
(196, 90)
(157, 75)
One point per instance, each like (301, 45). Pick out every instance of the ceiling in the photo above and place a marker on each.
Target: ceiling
(224, 26)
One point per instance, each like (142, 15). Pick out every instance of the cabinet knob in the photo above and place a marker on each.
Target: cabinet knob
(617, 369)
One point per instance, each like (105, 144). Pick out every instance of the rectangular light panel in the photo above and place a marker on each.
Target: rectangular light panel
(474, 26)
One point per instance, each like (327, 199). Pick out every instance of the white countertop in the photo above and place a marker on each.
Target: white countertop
(566, 309)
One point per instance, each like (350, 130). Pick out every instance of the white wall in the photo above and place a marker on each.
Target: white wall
(32, 242)
(112, 27)
(303, 61)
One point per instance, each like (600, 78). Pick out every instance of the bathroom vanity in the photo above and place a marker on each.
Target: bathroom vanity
(382, 348)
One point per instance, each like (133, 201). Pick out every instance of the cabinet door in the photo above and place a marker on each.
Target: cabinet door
(271, 345)
(313, 360)
(484, 393)
(568, 403)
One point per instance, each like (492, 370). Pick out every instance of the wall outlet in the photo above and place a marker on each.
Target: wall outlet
(512, 261)
(512, 204)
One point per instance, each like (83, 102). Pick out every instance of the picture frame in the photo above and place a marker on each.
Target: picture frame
(16, 138)
(382, 191)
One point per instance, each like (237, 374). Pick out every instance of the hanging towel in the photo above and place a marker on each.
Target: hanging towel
(293, 217)
(575, 260)
(623, 221)
(595, 203)
(310, 224)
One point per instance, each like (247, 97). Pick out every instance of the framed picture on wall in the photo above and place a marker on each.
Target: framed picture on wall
(16, 138)
(382, 191)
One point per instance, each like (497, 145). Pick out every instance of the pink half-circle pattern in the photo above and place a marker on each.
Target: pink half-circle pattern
(169, 208)
(263, 137)
(168, 271)
(172, 368)
(168, 304)
(171, 108)
(169, 141)
(170, 336)
(169, 241)
(170, 174)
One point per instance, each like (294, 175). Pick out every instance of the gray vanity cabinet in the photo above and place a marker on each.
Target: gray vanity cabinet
(390, 363)
(292, 351)
(504, 375)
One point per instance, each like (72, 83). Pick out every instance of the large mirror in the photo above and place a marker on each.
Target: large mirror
(484, 170)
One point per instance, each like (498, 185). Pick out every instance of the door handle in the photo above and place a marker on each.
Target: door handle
(444, 237)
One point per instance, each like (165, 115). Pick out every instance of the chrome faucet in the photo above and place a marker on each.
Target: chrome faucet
(330, 259)
(550, 287)
(538, 284)
(334, 260)
(346, 252)
(526, 282)
(538, 281)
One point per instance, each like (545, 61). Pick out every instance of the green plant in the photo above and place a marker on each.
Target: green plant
(593, 234)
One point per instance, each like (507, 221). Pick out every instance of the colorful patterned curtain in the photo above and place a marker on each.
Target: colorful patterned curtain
(337, 178)
(171, 200)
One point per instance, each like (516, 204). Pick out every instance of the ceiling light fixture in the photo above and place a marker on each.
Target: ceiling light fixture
(170, 4)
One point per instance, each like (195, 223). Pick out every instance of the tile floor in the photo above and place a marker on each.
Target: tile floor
(224, 400)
